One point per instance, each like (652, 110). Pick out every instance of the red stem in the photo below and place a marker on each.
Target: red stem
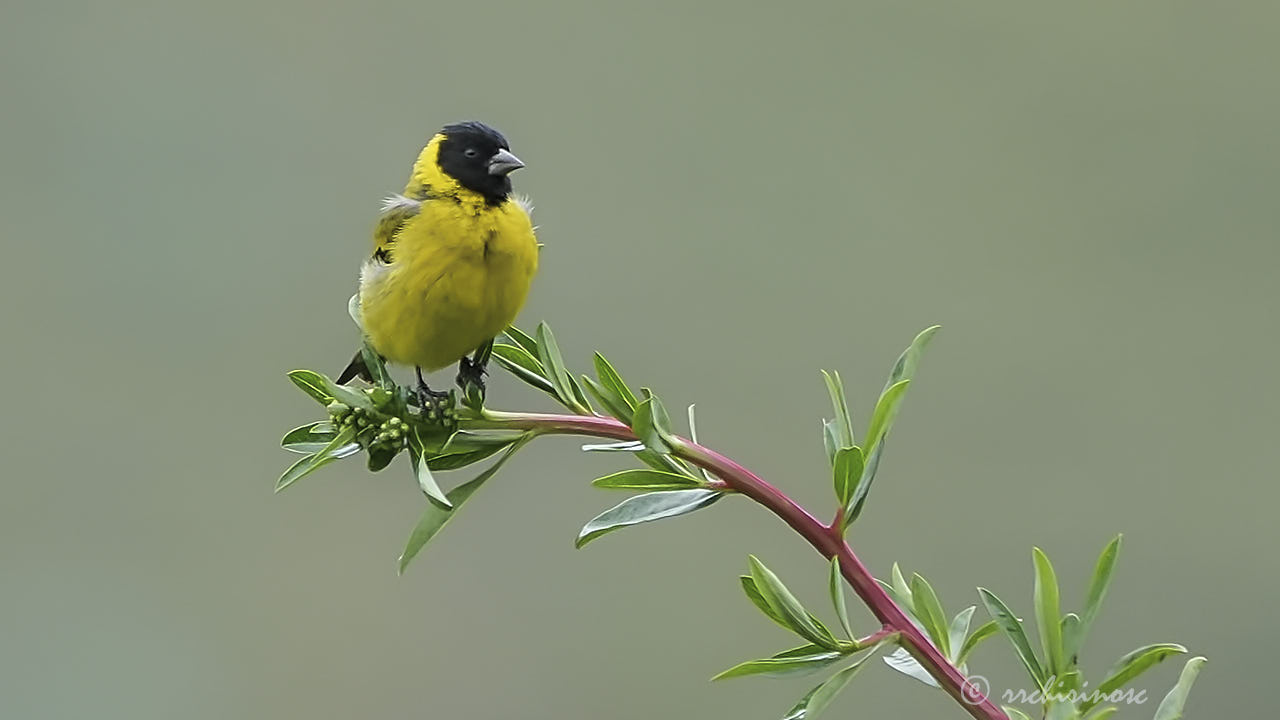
(827, 540)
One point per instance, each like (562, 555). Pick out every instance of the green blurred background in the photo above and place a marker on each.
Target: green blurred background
(731, 198)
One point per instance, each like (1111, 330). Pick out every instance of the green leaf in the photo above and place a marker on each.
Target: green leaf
(309, 438)
(788, 607)
(380, 458)
(902, 661)
(693, 435)
(1101, 712)
(645, 480)
(929, 610)
(377, 368)
(835, 585)
(646, 508)
(453, 461)
(631, 446)
(422, 470)
(524, 366)
(1171, 706)
(522, 339)
(661, 422)
(643, 427)
(611, 380)
(338, 448)
(830, 440)
(1015, 714)
(900, 587)
(435, 516)
(820, 697)
(847, 472)
(1097, 593)
(787, 663)
(1070, 630)
(973, 641)
(1132, 665)
(1011, 626)
(313, 384)
(843, 425)
(869, 469)
(557, 373)
(905, 367)
(753, 594)
(885, 413)
(959, 631)
(1048, 613)
(611, 403)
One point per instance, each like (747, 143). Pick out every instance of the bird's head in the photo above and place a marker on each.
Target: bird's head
(477, 157)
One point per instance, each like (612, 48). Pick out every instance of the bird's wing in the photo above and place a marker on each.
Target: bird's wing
(396, 211)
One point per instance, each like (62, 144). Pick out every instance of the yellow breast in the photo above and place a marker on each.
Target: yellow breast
(460, 273)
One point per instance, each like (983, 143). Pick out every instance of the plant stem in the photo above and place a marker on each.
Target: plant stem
(827, 540)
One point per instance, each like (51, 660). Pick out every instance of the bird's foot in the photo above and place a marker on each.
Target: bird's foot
(435, 406)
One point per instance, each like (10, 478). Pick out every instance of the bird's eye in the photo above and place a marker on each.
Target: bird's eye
(470, 152)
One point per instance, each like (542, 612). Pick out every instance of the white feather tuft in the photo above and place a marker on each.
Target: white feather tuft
(400, 202)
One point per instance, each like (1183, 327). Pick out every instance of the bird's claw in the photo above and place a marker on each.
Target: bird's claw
(435, 406)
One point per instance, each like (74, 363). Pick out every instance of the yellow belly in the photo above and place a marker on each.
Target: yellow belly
(460, 274)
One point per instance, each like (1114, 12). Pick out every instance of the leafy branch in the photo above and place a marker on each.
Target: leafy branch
(680, 476)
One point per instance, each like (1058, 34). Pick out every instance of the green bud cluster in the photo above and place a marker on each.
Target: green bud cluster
(391, 435)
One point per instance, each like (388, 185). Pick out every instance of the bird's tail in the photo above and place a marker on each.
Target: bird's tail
(355, 369)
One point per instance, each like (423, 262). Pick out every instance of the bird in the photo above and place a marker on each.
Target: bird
(454, 256)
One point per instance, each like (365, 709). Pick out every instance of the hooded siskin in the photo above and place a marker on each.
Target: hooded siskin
(453, 256)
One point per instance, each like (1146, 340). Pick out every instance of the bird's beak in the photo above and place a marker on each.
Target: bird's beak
(504, 162)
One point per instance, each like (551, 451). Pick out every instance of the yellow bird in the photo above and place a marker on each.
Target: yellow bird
(453, 258)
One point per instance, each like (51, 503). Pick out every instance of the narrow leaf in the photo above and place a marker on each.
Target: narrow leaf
(623, 446)
(905, 367)
(645, 430)
(753, 594)
(610, 379)
(1102, 712)
(788, 607)
(902, 661)
(1171, 706)
(843, 425)
(309, 438)
(453, 461)
(885, 413)
(830, 440)
(435, 516)
(971, 643)
(1048, 613)
(422, 470)
(523, 365)
(1015, 714)
(1097, 592)
(338, 448)
(645, 480)
(609, 400)
(646, 508)
(1012, 629)
(1134, 664)
(835, 586)
(959, 631)
(860, 493)
(522, 339)
(693, 435)
(311, 383)
(929, 610)
(1070, 629)
(819, 698)
(781, 666)
(549, 354)
(377, 368)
